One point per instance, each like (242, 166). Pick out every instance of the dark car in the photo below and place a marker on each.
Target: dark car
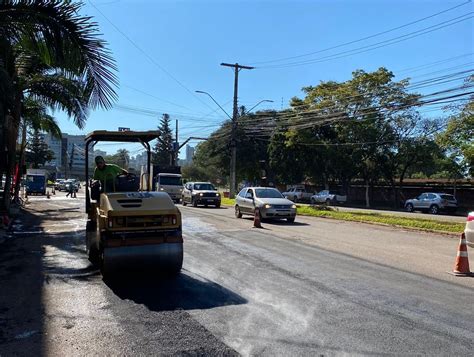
(200, 193)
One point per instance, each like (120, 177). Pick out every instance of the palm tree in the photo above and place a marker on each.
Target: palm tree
(51, 53)
(35, 117)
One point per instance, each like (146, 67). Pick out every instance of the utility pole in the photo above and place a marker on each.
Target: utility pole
(176, 150)
(233, 156)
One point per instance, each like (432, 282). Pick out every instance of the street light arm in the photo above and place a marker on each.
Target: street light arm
(210, 96)
(262, 101)
(189, 139)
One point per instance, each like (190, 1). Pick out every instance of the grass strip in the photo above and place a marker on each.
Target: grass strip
(377, 218)
(385, 219)
(227, 201)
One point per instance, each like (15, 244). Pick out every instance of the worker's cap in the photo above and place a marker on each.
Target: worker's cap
(99, 159)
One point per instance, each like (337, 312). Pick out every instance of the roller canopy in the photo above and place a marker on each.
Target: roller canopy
(123, 136)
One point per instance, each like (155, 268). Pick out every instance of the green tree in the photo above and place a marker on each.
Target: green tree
(123, 158)
(34, 117)
(339, 131)
(212, 157)
(120, 158)
(54, 54)
(37, 151)
(458, 138)
(164, 145)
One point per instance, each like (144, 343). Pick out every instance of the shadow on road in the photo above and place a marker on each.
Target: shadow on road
(183, 292)
(279, 222)
(21, 279)
(285, 223)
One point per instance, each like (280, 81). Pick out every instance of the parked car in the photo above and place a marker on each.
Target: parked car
(432, 202)
(469, 231)
(268, 200)
(328, 197)
(204, 193)
(296, 194)
(57, 184)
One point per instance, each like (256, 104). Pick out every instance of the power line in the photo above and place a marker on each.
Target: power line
(293, 112)
(288, 117)
(153, 96)
(433, 64)
(364, 38)
(376, 45)
(329, 118)
(150, 58)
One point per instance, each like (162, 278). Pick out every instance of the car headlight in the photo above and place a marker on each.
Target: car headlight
(293, 206)
(162, 189)
(201, 194)
(218, 194)
(267, 206)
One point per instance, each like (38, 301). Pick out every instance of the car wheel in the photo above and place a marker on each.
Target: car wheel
(312, 201)
(409, 207)
(328, 202)
(195, 203)
(295, 199)
(434, 209)
(218, 205)
(238, 214)
(184, 202)
(291, 220)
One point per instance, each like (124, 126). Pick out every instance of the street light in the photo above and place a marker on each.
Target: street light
(262, 101)
(210, 96)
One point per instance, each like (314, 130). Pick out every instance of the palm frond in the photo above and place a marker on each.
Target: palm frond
(59, 92)
(64, 39)
(35, 113)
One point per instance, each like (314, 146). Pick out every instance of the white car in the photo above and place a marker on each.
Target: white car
(296, 194)
(469, 231)
(328, 197)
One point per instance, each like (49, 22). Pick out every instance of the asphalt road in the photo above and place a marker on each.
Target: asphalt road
(316, 287)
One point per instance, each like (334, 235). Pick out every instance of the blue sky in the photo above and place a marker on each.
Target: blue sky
(187, 40)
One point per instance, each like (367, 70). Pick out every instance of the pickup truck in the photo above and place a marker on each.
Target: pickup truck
(328, 197)
(297, 194)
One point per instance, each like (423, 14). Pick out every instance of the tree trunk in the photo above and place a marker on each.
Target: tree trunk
(367, 198)
(3, 149)
(9, 157)
(395, 194)
(13, 124)
(21, 159)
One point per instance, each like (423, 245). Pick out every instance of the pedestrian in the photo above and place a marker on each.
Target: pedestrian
(70, 189)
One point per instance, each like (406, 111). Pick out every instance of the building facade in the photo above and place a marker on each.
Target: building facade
(189, 154)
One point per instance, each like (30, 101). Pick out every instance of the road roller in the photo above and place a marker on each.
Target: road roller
(129, 227)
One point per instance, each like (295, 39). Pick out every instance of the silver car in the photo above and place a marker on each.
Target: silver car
(432, 202)
(269, 201)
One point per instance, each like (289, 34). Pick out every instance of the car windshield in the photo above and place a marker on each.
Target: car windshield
(448, 197)
(170, 180)
(204, 186)
(267, 193)
(35, 178)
